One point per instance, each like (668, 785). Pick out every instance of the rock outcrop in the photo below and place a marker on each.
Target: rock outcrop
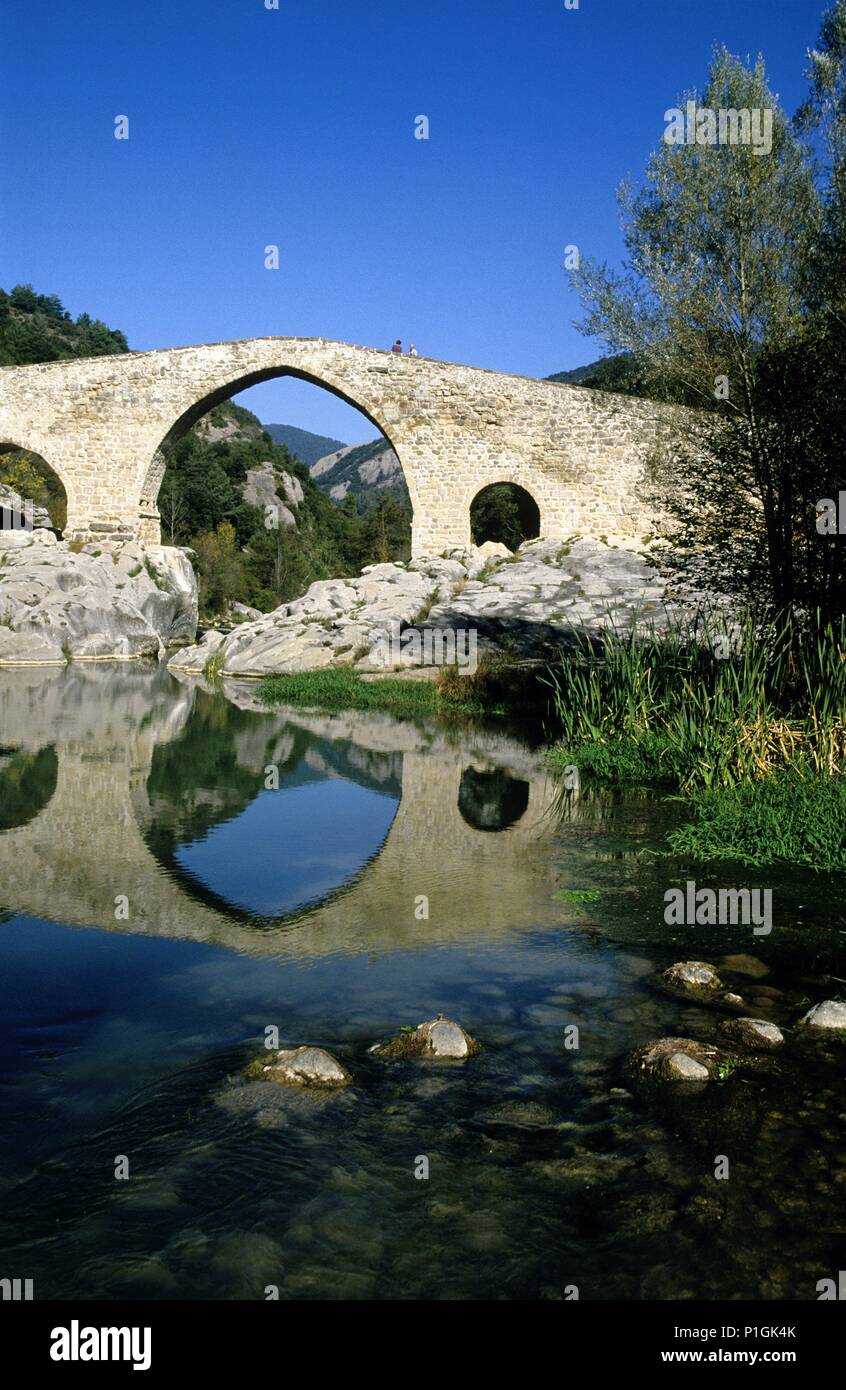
(525, 605)
(265, 486)
(61, 602)
(17, 513)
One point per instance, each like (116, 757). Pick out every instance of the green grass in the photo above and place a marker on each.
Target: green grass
(338, 688)
(579, 895)
(784, 819)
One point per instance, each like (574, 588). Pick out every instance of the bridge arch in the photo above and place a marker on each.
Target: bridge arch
(524, 523)
(10, 447)
(218, 395)
(524, 496)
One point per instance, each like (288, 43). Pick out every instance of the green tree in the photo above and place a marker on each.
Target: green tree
(220, 568)
(716, 241)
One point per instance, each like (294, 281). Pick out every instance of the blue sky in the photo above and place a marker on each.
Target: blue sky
(295, 127)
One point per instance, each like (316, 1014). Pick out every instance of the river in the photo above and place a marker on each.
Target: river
(180, 872)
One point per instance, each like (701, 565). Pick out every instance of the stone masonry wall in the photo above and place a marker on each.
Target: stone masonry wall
(104, 425)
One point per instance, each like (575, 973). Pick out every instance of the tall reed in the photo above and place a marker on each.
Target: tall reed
(701, 707)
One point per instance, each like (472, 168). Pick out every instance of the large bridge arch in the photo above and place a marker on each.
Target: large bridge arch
(152, 481)
(583, 455)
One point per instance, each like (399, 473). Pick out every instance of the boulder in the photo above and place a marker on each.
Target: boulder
(15, 511)
(525, 607)
(438, 1037)
(755, 1033)
(494, 550)
(303, 1066)
(743, 964)
(827, 1020)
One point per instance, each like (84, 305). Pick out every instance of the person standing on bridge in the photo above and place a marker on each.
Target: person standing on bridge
(412, 351)
(397, 347)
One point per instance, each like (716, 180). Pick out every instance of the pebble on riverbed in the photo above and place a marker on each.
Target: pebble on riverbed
(437, 1037)
(301, 1066)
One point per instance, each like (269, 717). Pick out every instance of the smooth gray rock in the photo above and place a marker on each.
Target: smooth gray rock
(753, 1032)
(437, 1037)
(676, 1059)
(681, 1067)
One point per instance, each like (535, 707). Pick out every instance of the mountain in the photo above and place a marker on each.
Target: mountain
(304, 445)
(367, 472)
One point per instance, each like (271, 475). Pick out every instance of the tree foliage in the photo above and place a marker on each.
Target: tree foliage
(731, 298)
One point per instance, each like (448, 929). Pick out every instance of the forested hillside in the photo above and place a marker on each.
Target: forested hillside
(38, 328)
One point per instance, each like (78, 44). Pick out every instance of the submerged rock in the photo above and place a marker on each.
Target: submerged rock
(302, 1066)
(827, 1019)
(743, 964)
(438, 1037)
(752, 1032)
(678, 1059)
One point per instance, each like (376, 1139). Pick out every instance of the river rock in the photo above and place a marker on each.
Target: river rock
(827, 1019)
(742, 964)
(61, 602)
(677, 1059)
(306, 1066)
(691, 977)
(438, 1037)
(756, 1033)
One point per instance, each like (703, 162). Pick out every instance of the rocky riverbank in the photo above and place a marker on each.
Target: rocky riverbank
(522, 606)
(63, 601)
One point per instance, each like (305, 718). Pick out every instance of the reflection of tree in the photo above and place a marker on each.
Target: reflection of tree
(27, 782)
(491, 800)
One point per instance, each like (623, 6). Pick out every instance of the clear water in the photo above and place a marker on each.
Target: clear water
(161, 905)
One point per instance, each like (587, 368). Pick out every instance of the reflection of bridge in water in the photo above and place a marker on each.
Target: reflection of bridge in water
(90, 842)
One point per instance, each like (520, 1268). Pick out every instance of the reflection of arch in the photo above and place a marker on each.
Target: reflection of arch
(195, 888)
(56, 497)
(27, 785)
(504, 511)
(492, 800)
(155, 473)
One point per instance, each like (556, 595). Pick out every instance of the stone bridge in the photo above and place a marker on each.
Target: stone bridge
(105, 425)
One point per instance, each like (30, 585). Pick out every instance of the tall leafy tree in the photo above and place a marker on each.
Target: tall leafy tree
(716, 238)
